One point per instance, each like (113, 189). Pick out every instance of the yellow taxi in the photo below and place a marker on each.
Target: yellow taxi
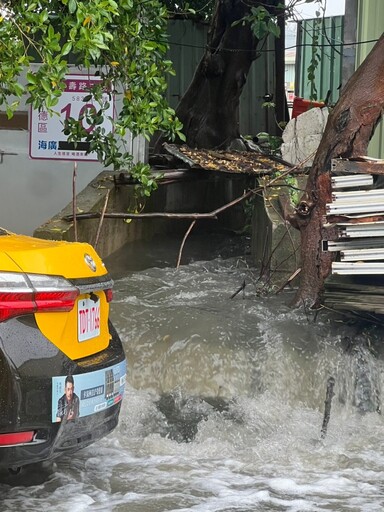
(62, 364)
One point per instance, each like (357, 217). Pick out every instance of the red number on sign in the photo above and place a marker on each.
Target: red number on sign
(82, 112)
(67, 110)
(88, 106)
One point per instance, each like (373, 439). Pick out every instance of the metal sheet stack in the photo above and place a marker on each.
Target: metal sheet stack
(355, 217)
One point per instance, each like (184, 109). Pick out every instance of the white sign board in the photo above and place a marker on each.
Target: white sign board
(46, 137)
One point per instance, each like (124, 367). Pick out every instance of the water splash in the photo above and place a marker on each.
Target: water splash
(224, 407)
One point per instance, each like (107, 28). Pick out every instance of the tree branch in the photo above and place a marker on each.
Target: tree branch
(183, 242)
(154, 215)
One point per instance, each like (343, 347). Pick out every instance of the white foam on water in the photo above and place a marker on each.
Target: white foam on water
(254, 374)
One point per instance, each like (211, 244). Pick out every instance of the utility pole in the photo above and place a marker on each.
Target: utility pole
(349, 49)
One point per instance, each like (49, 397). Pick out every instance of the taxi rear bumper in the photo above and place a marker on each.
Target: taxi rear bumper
(32, 373)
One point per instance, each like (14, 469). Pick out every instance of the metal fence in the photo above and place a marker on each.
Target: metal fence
(370, 27)
(320, 39)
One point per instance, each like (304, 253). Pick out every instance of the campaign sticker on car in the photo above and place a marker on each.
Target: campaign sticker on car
(88, 319)
(75, 396)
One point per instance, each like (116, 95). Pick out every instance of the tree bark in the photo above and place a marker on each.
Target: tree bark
(349, 129)
(209, 110)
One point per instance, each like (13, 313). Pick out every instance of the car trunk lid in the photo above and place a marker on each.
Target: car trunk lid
(83, 331)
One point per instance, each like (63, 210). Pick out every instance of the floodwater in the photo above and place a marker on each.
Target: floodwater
(225, 402)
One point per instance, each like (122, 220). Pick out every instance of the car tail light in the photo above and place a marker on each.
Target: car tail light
(13, 438)
(109, 294)
(22, 294)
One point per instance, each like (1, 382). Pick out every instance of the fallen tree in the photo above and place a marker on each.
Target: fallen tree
(350, 127)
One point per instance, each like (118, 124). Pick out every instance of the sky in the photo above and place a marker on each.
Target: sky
(308, 10)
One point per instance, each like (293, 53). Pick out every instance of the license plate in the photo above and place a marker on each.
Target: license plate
(88, 319)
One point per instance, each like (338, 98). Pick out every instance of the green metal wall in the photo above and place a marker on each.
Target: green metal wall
(370, 26)
(329, 71)
(187, 40)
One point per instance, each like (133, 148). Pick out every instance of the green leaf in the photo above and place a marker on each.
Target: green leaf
(10, 109)
(43, 16)
(149, 45)
(31, 77)
(72, 5)
(18, 89)
(273, 28)
(66, 48)
(46, 85)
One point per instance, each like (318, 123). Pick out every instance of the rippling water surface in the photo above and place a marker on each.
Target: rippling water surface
(224, 407)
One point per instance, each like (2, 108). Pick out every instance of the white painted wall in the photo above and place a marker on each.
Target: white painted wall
(31, 191)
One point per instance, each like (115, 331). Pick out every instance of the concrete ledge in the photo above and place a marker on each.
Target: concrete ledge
(114, 232)
(202, 195)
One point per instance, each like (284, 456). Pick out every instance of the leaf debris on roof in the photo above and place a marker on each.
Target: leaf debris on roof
(247, 162)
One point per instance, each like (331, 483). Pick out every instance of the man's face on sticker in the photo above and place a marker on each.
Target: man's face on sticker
(69, 391)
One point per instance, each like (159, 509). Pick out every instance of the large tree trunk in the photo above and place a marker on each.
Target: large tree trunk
(209, 110)
(349, 129)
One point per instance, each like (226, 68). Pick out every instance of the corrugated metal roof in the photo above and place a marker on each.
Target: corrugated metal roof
(247, 162)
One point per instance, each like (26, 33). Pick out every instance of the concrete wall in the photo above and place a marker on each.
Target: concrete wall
(275, 244)
(193, 195)
(302, 136)
(32, 191)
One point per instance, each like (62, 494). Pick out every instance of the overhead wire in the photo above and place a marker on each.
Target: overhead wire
(240, 50)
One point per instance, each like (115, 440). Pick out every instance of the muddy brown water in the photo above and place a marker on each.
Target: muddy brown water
(225, 399)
